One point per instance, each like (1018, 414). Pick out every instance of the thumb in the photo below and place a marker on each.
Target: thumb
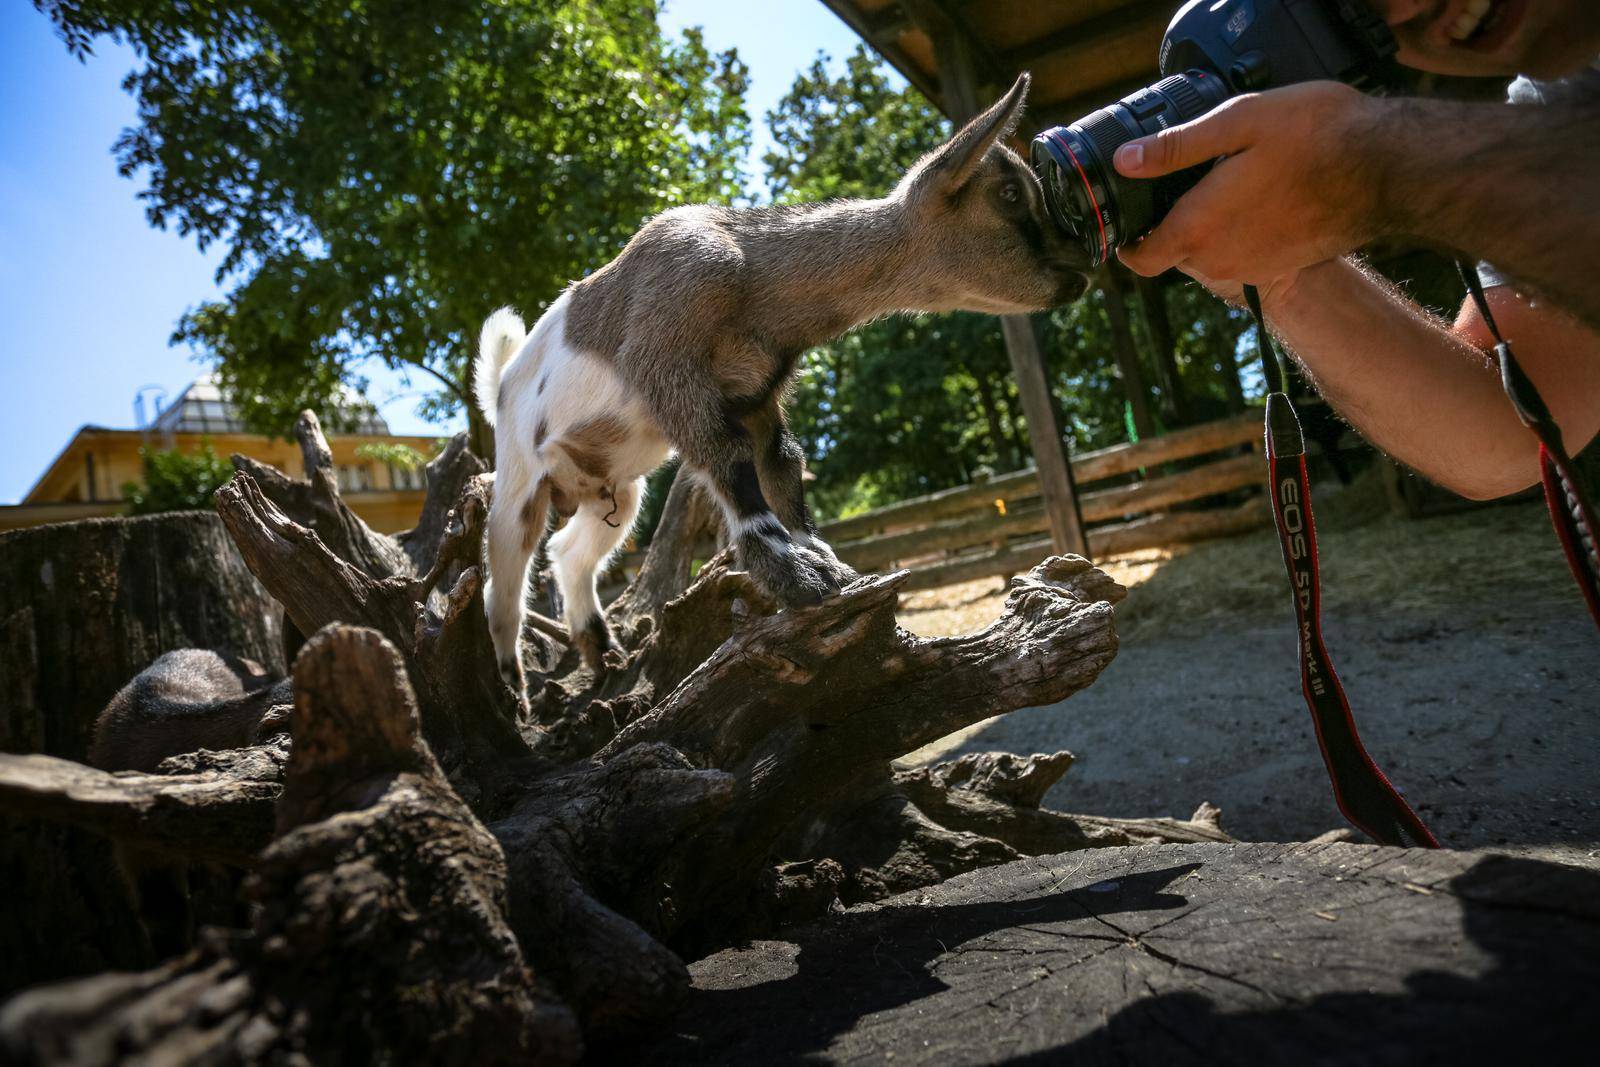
(1217, 133)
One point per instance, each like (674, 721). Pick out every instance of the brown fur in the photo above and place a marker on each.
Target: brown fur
(706, 310)
(186, 700)
(589, 446)
(563, 502)
(744, 291)
(534, 513)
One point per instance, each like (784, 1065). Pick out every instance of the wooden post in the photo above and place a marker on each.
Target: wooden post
(1155, 316)
(1049, 449)
(1127, 353)
(958, 85)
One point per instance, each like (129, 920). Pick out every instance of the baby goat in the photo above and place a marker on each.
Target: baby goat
(688, 338)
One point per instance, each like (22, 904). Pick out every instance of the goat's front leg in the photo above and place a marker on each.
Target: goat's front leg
(781, 466)
(694, 414)
(790, 572)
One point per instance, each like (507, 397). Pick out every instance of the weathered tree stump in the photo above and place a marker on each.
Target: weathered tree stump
(1199, 953)
(728, 772)
(380, 935)
(84, 606)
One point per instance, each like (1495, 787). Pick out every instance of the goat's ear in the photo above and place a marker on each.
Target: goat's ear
(948, 167)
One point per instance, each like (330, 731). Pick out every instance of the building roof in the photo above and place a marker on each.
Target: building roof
(1083, 53)
(203, 408)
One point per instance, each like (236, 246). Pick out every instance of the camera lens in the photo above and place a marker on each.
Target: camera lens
(1086, 196)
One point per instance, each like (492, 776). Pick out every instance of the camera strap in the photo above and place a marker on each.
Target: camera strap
(1360, 788)
(1570, 511)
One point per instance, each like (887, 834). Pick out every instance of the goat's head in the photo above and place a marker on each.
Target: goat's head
(982, 238)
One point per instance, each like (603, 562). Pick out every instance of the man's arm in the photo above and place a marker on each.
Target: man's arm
(1314, 171)
(1428, 393)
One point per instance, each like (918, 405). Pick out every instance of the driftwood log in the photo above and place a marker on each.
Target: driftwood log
(540, 863)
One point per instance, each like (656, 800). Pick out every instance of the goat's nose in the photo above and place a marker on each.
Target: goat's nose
(1070, 287)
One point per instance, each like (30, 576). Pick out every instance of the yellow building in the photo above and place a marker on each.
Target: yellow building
(86, 479)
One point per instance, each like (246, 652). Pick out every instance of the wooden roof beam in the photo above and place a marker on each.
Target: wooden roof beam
(885, 45)
(1048, 113)
(1135, 19)
(947, 27)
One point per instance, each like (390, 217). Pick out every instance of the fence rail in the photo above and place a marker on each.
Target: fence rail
(999, 526)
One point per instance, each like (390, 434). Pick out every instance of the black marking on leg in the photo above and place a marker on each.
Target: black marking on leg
(744, 491)
(766, 527)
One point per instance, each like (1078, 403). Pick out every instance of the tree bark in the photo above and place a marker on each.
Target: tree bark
(1126, 351)
(380, 934)
(1153, 300)
(730, 770)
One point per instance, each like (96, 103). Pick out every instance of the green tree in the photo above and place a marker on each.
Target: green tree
(176, 481)
(383, 173)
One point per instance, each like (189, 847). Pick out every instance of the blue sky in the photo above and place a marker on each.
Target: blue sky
(89, 292)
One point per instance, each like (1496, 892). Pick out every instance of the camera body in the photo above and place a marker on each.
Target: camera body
(1213, 50)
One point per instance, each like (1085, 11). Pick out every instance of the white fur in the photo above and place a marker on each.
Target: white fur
(502, 334)
(577, 388)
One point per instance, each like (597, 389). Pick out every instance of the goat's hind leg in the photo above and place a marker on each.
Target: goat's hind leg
(578, 551)
(516, 525)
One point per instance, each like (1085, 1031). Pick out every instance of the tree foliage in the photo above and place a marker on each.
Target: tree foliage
(383, 173)
(176, 481)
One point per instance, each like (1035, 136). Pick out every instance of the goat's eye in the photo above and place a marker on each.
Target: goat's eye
(1011, 192)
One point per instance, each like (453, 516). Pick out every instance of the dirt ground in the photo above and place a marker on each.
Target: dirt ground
(1471, 665)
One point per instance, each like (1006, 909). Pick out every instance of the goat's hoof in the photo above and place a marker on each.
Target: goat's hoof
(593, 642)
(802, 579)
(823, 556)
(511, 674)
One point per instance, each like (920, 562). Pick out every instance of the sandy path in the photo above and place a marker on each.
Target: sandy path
(1484, 707)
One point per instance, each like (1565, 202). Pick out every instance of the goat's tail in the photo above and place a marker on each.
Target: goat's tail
(503, 333)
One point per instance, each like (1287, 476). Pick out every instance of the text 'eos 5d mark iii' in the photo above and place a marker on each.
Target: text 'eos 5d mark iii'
(1213, 50)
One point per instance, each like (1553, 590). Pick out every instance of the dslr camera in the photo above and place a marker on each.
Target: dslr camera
(1213, 50)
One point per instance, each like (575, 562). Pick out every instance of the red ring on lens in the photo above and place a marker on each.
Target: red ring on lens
(1099, 218)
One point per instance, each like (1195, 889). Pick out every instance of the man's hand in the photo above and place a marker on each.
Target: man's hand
(1300, 185)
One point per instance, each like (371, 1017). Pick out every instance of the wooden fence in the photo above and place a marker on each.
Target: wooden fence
(999, 526)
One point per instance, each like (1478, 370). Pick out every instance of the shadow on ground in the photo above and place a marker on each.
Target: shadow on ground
(1177, 954)
(1468, 659)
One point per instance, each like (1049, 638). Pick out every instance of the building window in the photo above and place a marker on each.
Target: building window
(406, 478)
(354, 479)
(88, 468)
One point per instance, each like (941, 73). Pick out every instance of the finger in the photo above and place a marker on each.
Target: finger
(1163, 247)
(1144, 258)
(1217, 133)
